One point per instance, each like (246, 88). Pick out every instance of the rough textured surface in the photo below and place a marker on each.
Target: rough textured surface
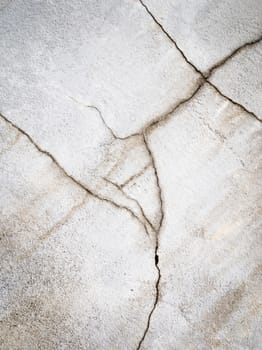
(206, 30)
(211, 236)
(241, 78)
(130, 165)
(87, 50)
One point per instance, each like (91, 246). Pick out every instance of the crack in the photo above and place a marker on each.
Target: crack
(54, 228)
(204, 77)
(157, 292)
(162, 118)
(170, 37)
(135, 176)
(230, 56)
(223, 139)
(116, 137)
(166, 116)
(61, 222)
(55, 161)
(214, 131)
(234, 102)
(100, 115)
(137, 203)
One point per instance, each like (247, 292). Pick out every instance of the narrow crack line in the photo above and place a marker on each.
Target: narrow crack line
(234, 102)
(135, 176)
(220, 63)
(76, 182)
(99, 112)
(157, 180)
(170, 37)
(203, 76)
(156, 246)
(103, 120)
(166, 116)
(54, 228)
(65, 219)
(116, 137)
(138, 204)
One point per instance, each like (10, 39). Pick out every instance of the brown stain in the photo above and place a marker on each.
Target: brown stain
(230, 299)
(135, 176)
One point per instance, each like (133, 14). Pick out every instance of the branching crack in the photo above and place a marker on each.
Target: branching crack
(165, 117)
(76, 182)
(157, 293)
(146, 220)
(206, 76)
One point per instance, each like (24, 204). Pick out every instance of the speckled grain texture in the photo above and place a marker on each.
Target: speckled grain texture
(130, 167)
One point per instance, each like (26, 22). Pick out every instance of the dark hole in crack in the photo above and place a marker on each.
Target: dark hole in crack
(156, 259)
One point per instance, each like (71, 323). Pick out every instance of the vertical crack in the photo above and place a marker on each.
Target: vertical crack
(157, 293)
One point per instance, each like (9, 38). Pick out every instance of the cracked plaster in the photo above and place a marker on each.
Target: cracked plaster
(130, 199)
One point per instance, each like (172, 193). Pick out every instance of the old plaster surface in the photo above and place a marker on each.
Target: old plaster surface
(130, 167)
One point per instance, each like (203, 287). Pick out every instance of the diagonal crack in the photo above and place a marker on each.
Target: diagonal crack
(147, 221)
(156, 244)
(65, 219)
(116, 137)
(206, 76)
(231, 55)
(166, 116)
(169, 37)
(135, 176)
(143, 132)
(77, 182)
(99, 112)
(234, 102)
